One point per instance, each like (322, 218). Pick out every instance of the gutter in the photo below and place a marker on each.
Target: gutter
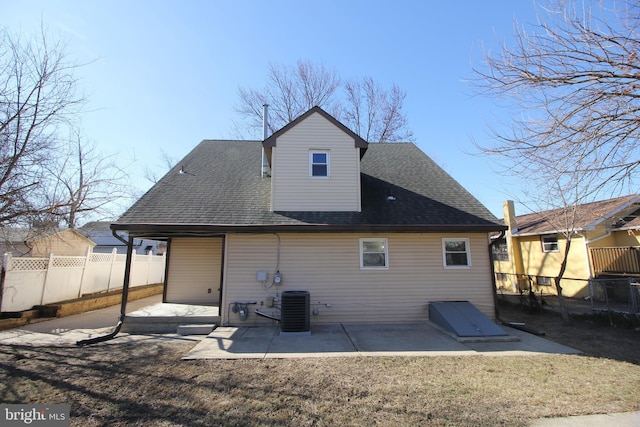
(125, 295)
(142, 230)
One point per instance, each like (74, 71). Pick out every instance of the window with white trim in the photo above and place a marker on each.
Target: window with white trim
(550, 243)
(319, 164)
(455, 253)
(374, 254)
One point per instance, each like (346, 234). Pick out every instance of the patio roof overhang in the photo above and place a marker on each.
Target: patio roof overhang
(167, 231)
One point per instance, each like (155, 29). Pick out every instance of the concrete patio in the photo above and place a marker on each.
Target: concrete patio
(261, 342)
(347, 340)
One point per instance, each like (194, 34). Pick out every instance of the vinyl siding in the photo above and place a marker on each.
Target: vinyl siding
(328, 266)
(293, 189)
(194, 268)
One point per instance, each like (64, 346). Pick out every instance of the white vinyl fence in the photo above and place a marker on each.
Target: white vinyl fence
(37, 281)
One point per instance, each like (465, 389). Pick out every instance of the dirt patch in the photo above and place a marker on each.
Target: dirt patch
(591, 333)
(146, 383)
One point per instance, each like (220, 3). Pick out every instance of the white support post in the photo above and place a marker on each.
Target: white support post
(149, 255)
(114, 256)
(134, 267)
(84, 270)
(5, 267)
(164, 267)
(46, 276)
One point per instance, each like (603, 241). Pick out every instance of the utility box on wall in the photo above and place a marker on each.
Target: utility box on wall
(295, 312)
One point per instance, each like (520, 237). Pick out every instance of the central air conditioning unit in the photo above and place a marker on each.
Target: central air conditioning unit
(294, 313)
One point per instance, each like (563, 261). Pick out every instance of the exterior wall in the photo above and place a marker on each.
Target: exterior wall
(194, 269)
(601, 239)
(625, 239)
(547, 264)
(328, 266)
(64, 243)
(292, 188)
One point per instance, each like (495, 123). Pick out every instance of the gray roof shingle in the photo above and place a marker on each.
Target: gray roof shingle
(221, 187)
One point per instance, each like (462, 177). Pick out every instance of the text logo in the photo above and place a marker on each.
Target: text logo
(34, 415)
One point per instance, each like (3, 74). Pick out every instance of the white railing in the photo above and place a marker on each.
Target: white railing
(27, 282)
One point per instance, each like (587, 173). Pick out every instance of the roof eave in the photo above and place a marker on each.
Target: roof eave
(612, 213)
(175, 230)
(359, 142)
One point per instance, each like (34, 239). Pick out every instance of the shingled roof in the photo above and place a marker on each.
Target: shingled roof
(620, 212)
(218, 187)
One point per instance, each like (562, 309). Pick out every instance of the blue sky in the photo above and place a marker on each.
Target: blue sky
(164, 75)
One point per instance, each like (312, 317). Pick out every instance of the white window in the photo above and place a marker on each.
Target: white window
(455, 253)
(374, 254)
(319, 164)
(550, 244)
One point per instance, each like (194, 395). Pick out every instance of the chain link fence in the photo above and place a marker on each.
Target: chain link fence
(620, 295)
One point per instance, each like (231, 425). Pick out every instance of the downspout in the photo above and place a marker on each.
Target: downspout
(493, 273)
(125, 295)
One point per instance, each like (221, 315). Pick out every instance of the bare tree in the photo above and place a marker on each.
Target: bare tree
(290, 91)
(82, 182)
(376, 115)
(167, 161)
(573, 82)
(560, 207)
(37, 96)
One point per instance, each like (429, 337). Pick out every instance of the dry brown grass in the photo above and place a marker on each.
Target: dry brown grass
(147, 384)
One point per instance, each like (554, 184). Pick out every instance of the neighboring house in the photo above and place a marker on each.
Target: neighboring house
(606, 243)
(374, 232)
(43, 242)
(99, 232)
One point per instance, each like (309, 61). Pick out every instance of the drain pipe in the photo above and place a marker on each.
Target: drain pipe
(125, 295)
(493, 273)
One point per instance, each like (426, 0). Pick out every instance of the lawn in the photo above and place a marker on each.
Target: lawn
(115, 384)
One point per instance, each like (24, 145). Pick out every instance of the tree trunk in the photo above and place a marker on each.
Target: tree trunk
(563, 266)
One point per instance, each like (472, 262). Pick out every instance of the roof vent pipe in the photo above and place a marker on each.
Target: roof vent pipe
(265, 121)
(264, 168)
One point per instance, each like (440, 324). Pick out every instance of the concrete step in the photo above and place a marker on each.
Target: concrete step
(164, 318)
(163, 324)
(197, 329)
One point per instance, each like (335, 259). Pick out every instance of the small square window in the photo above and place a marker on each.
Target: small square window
(550, 244)
(373, 254)
(319, 164)
(455, 253)
(543, 281)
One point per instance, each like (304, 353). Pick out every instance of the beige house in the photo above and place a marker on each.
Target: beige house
(605, 243)
(41, 243)
(369, 232)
